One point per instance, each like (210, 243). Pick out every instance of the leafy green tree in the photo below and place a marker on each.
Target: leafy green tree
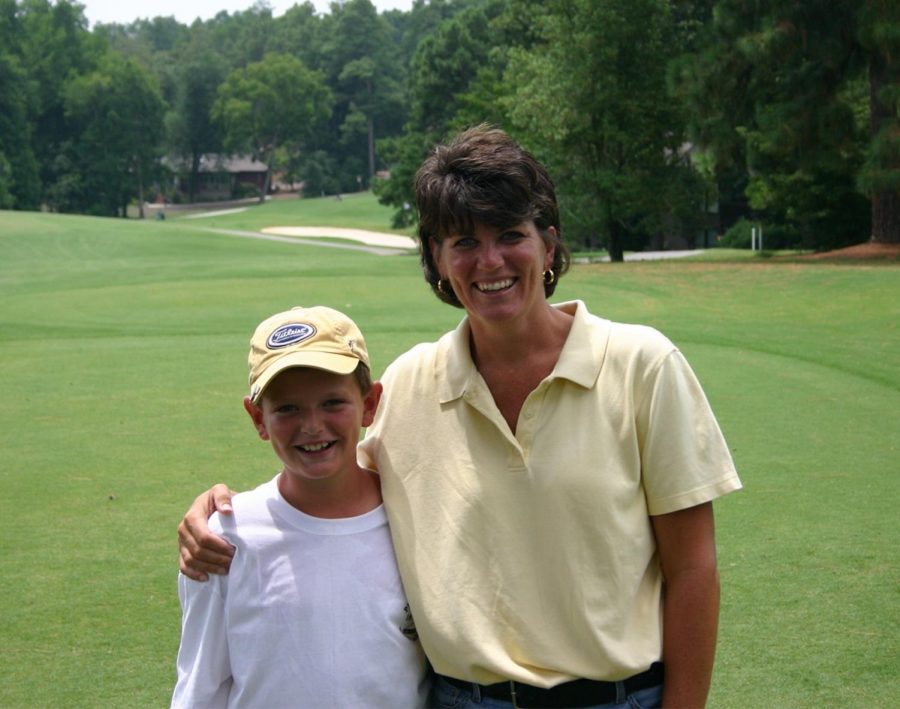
(365, 65)
(20, 180)
(144, 39)
(446, 63)
(422, 19)
(7, 201)
(300, 31)
(155, 44)
(776, 95)
(880, 175)
(192, 132)
(450, 68)
(275, 103)
(804, 147)
(242, 37)
(404, 154)
(707, 79)
(54, 45)
(118, 113)
(319, 174)
(591, 101)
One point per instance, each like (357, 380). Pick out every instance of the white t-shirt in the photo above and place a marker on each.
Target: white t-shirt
(312, 614)
(530, 555)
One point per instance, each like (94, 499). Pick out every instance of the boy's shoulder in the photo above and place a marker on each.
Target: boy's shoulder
(248, 507)
(260, 494)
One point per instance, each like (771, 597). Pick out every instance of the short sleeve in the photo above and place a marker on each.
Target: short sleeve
(685, 460)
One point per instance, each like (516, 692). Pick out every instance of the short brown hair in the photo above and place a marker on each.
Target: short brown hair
(363, 376)
(483, 176)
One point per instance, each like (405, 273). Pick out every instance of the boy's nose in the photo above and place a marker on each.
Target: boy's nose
(310, 424)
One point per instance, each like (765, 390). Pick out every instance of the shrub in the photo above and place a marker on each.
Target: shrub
(737, 236)
(774, 236)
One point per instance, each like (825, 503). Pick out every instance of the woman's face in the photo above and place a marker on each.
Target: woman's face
(496, 274)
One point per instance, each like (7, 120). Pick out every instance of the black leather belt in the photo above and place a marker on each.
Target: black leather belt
(577, 693)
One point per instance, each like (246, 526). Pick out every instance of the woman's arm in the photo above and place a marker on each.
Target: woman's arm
(202, 552)
(687, 550)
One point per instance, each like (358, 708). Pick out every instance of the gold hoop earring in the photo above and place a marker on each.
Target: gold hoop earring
(549, 277)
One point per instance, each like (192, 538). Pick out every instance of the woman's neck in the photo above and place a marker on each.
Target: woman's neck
(514, 361)
(517, 342)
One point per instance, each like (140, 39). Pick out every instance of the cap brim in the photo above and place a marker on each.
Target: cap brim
(335, 363)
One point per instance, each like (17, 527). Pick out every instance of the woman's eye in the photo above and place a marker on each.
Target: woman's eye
(464, 242)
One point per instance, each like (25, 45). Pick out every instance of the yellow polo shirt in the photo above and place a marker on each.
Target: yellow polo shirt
(531, 556)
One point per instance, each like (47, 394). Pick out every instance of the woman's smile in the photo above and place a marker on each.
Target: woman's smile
(493, 286)
(496, 274)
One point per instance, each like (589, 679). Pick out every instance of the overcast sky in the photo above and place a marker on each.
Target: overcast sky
(186, 11)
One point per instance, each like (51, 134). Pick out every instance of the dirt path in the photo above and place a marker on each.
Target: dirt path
(862, 252)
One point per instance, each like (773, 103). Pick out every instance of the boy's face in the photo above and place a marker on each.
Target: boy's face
(313, 419)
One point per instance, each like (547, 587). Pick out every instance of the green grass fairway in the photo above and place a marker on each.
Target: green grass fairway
(123, 359)
(360, 210)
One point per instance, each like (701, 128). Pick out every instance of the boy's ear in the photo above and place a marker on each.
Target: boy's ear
(256, 415)
(370, 404)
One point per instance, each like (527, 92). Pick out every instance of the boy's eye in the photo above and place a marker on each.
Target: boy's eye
(285, 409)
(332, 403)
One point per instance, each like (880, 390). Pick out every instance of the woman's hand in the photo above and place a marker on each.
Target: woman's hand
(202, 552)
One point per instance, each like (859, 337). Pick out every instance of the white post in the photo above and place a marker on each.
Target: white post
(753, 238)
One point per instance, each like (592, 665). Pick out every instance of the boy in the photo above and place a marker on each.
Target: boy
(313, 612)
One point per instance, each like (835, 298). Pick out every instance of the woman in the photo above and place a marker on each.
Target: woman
(548, 474)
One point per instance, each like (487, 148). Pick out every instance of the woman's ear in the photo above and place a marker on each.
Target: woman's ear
(256, 415)
(550, 247)
(435, 247)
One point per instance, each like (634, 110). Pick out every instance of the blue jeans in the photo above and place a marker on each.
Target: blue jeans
(447, 696)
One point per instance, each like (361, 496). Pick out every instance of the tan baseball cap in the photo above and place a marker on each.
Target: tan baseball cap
(318, 337)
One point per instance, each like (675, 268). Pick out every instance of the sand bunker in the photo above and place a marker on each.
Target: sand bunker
(371, 238)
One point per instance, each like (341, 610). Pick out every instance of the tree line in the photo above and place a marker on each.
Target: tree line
(663, 122)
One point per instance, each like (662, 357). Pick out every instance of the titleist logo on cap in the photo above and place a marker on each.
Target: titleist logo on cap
(291, 334)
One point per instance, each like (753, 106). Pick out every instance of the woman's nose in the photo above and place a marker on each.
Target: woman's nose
(490, 256)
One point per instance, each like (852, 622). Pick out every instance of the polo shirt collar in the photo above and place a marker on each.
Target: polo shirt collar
(580, 360)
(455, 370)
(585, 349)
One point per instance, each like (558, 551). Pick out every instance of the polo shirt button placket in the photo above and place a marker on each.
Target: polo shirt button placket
(526, 433)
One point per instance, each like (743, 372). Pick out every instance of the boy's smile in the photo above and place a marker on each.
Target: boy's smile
(313, 419)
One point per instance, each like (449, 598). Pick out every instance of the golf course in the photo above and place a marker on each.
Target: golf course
(123, 349)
